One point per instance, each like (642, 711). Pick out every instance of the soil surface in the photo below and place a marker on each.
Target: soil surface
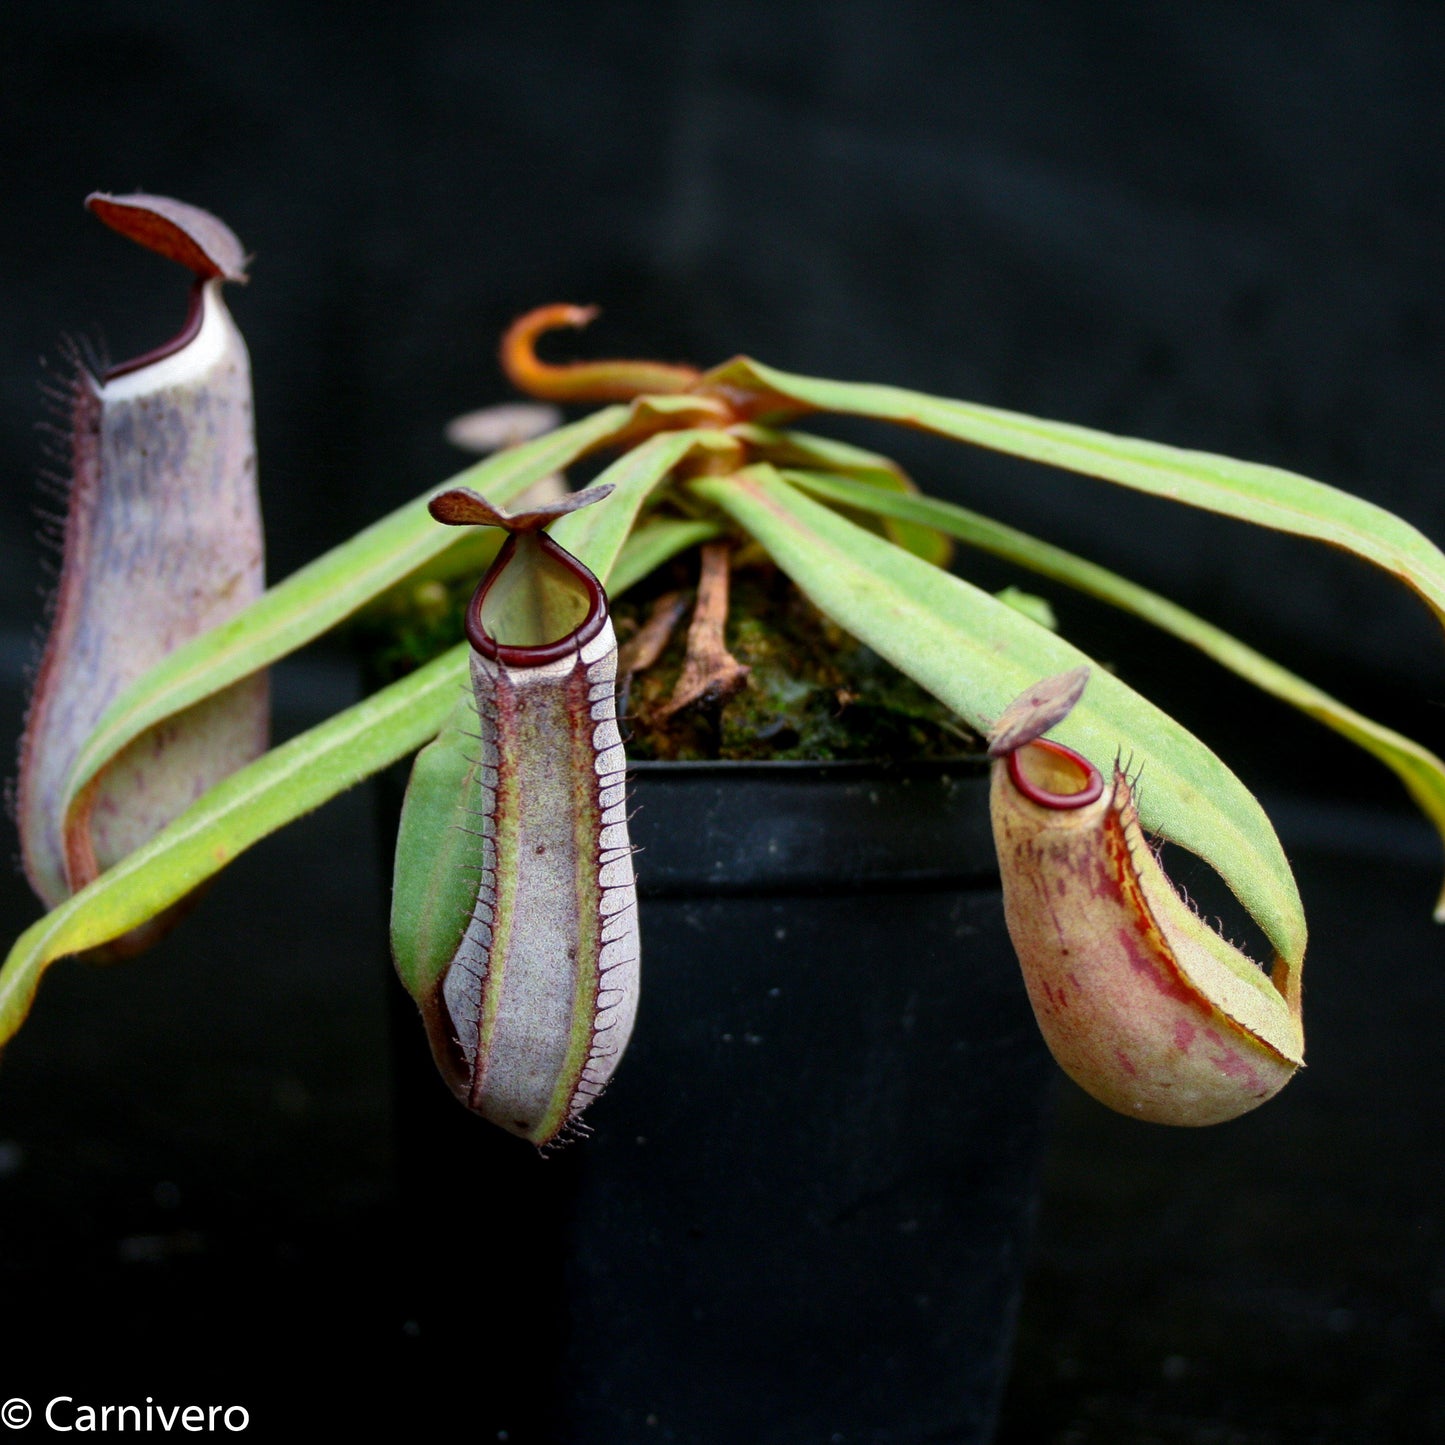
(813, 693)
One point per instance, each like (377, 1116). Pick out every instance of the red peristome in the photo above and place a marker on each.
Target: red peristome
(539, 656)
(1093, 781)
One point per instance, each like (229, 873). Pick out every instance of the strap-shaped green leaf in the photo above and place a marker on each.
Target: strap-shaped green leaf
(321, 594)
(277, 788)
(1422, 773)
(1267, 496)
(596, 534)
(801, 449)
(977, 654)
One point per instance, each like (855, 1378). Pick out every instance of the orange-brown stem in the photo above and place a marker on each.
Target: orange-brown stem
(585, 381)
(645, 646)
(710, 673)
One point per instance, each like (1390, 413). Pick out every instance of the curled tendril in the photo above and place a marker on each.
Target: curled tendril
(585, 381)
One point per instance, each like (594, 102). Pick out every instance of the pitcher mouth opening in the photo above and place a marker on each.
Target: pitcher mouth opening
(190, 329)
(1053, 776)
(582, 597)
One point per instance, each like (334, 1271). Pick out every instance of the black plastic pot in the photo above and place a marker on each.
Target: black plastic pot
(802, 1213)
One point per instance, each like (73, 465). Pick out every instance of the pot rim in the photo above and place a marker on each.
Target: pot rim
(884, 767)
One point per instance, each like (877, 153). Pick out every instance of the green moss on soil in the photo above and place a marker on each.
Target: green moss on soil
(814, 693)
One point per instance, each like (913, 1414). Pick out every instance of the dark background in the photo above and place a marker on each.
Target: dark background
(1217, 226)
